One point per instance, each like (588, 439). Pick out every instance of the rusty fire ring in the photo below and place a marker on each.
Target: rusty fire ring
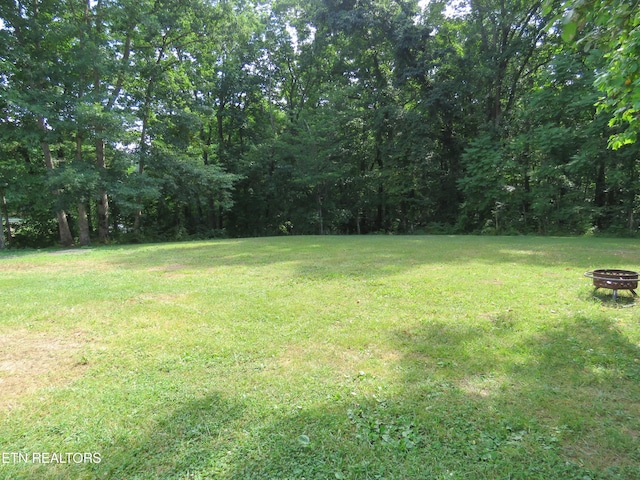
(615, 280)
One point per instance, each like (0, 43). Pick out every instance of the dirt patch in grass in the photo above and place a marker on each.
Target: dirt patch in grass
(73, 251)
(29, 361)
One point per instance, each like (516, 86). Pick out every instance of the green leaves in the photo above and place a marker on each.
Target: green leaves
(381, 430)
(317, 117)
(615, 29)
(569, 30)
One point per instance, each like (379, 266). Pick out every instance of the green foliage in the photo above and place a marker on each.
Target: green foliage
(377, 430)
(195, 118)
(613, 27)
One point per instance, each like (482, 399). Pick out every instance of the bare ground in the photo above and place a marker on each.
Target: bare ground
(33, 360)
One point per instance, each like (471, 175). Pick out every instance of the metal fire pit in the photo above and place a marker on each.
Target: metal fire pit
(614, 280)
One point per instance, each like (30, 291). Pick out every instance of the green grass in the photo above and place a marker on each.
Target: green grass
(321, 358)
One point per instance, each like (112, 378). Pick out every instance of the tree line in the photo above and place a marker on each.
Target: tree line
(140, 120)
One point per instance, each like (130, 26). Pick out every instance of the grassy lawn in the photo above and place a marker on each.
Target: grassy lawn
(320, 358)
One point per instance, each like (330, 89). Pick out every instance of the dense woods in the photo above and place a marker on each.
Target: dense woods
(139, 120)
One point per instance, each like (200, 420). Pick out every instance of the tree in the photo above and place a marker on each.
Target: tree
(33, 35)
(166, 119)
(614, 28)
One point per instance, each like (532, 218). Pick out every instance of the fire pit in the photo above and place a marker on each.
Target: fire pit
(614, 280)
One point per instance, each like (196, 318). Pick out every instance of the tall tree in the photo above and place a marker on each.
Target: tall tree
(613, 27)
(34, 34)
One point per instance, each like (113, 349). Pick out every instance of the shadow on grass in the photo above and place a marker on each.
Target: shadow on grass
(607, 298)
(560, 403)
(568, 393)
(195, 437)
(313, 443)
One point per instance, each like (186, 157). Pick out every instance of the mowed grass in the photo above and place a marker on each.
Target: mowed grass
(320, 358)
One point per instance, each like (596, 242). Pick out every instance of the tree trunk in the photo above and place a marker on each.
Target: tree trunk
(600, 194)
(83, 224)
(101, 164)
(320, 217)
(66, 239)
(1, 233)
(143, 149)
(83, 219)
(137, 221)
(103, 217)
(103, 199)
(5, 213)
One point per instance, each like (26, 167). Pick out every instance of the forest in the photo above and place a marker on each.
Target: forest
(162, 120)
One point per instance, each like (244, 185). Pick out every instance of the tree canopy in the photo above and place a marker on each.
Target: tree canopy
(612, 28)
(142, 120)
